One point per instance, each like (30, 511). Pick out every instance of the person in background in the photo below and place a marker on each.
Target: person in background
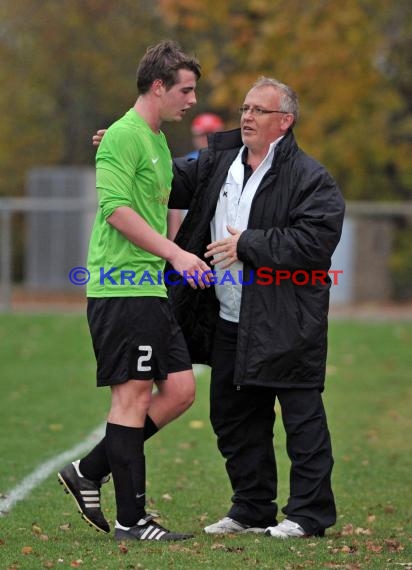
(136, 341)
(260, 208)
(201, 126)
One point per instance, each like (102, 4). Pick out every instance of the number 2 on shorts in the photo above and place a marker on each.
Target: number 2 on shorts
(147, 349)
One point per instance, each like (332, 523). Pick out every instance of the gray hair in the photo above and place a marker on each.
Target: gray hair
(288, 97)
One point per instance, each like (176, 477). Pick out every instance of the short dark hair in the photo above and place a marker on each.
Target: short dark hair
(163, 61)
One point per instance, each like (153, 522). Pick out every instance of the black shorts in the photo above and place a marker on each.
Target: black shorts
(135, 338)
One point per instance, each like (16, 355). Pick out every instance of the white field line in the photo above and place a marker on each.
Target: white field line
(17, 494)
(45, 469)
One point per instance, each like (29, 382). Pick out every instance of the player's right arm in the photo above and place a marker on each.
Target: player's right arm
(141, 234)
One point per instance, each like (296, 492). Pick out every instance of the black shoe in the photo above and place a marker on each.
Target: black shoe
(86, 493)
(148, 529)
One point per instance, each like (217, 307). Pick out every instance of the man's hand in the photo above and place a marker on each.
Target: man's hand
(225, 250)
(97, 138)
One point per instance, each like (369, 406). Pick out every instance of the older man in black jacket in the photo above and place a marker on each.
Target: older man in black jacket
(263, 208)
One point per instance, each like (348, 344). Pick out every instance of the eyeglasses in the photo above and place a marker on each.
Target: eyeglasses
(258, 111)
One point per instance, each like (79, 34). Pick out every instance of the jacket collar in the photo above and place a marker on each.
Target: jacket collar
(231, 140)
(225, 140)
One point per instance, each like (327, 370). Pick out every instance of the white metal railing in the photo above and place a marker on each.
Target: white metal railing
(379, 209)
(11, 206)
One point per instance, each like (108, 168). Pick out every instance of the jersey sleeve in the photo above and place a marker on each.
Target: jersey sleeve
(116, 162)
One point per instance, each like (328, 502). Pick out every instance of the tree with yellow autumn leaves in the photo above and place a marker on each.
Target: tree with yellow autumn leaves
(67, 68)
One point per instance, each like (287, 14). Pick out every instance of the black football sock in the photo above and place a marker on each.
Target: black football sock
(125, 451)
(150, 428)
(95, 465)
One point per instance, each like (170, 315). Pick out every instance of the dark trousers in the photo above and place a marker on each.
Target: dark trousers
(243, 421)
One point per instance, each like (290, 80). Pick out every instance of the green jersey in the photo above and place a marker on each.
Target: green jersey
(134, 169)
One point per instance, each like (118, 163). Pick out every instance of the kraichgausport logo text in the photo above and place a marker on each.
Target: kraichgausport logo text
(263, 276)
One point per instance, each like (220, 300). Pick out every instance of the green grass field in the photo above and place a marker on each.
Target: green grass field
(49, 404)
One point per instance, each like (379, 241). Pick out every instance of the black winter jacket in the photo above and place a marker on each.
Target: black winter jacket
(295, 224)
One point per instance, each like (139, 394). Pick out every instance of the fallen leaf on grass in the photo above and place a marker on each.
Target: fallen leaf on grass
(349, 549)
(393, 545)
(36, 529)
(167, 497)
(394, 415)
(48, 564)
(238, 549)
(179, 548)
(373, 547)
(349, 530)
(123, 548)
(186, 444)
(196, 424)
(373, 435)
(151, 503)
(360, 530)
(26, 550)
(65, 527)
(76, 563)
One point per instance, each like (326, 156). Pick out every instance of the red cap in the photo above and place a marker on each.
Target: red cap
(206, 123)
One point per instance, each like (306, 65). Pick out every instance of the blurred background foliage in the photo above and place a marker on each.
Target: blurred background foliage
(67, 67)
